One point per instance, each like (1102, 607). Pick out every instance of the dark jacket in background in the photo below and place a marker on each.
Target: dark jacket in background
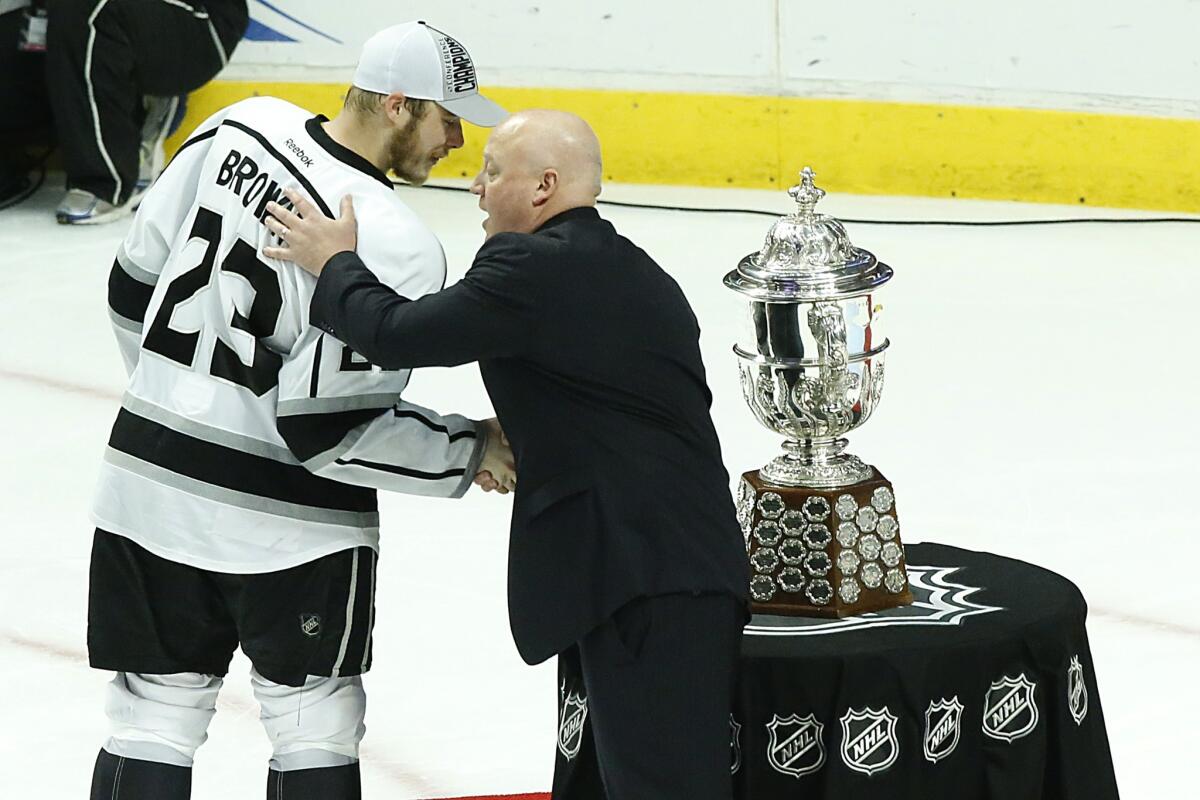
(590, 354)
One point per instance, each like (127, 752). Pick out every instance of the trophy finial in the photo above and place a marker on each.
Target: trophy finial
(806, 193)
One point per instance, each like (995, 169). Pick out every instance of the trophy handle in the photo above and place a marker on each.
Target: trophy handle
(828, 326)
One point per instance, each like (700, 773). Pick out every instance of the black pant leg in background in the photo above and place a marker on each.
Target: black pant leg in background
(659, 677)
(24, 110)
(102, 56)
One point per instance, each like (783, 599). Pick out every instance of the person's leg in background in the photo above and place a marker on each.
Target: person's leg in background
(165, 83)
(97, 106)
(103, 56)
(26, 121)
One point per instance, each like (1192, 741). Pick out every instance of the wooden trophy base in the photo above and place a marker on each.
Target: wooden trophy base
(823, 552)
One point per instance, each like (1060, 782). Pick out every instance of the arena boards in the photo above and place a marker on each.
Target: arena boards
(859, 146)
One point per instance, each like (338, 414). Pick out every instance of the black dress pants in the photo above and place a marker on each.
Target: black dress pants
(102, 56)
(645, 702)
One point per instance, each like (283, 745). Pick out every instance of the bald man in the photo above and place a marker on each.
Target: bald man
(625, 557)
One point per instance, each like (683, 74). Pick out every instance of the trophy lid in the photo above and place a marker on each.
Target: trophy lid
(807, 256)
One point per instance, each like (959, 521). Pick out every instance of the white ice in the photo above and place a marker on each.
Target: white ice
(1041, 403)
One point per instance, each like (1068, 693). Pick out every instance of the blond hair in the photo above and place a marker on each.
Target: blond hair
(363, 102)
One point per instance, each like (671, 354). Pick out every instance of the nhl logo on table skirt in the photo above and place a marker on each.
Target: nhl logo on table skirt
(869, 743)
(1010, 710)
(735, 745)
(571, 718)
(796, 745)
(943, 723)
(1077, 697)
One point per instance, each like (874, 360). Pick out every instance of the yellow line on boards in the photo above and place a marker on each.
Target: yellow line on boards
(856, 146)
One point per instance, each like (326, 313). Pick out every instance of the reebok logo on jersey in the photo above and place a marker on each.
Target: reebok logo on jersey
(298, 151)
(241, 175)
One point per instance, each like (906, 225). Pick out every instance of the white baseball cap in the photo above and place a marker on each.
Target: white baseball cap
(424, 63)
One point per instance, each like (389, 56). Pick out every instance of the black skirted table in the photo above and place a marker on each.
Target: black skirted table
(983, 688)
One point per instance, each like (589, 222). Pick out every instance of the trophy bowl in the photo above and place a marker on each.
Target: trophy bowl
(821, 527)
(812, 351)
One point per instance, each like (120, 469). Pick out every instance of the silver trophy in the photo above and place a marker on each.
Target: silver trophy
(812, 364)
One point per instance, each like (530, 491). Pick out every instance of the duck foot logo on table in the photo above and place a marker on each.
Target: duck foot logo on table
(1010, 710)
(869, 743)
(1077, 695)
(937, 600)
(796, 745)
(571, 718)
(943, 723)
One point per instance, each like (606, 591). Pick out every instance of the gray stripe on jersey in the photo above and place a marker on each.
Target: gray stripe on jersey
(207, 433)
(250, 502)
(125, 324)
(481, 440)
(331, 405)
(134, 271)
(322, 460)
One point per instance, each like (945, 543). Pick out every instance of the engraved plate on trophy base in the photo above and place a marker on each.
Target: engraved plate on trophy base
(823, 552)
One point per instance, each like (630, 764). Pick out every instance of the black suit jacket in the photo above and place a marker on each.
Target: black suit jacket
(590, 354)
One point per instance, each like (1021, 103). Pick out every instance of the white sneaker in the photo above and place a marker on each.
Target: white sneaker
(79, 207)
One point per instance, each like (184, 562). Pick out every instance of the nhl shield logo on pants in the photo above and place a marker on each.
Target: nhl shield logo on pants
(869, 743)
(735, 745)
(796, 745)
(310, 624)
(1077, 696)
(1010, 710)
(943, 723)
(571, 718)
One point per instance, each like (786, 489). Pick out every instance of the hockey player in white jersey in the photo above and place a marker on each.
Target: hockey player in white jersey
(236, 504)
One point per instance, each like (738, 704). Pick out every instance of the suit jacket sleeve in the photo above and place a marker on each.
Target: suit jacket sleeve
(490, 313)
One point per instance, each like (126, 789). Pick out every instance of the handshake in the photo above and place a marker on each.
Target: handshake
(497, 469)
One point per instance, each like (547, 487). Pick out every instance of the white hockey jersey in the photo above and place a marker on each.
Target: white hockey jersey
(249, 441)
